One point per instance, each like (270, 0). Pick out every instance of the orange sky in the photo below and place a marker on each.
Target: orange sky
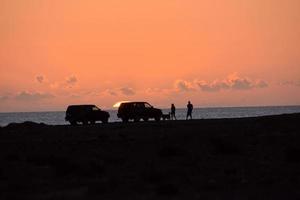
(214, 53)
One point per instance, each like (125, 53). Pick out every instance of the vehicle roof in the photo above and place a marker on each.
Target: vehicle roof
(83, 105)
(130, 102)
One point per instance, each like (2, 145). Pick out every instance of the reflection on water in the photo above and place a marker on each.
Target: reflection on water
(58, 118)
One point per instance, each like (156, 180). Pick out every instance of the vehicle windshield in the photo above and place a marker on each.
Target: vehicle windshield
(95, 108)
(147, 105)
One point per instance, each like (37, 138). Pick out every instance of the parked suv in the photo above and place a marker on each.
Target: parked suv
(86, 114)
(138, 111)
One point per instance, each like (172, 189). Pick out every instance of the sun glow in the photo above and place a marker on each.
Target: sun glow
(117, 105)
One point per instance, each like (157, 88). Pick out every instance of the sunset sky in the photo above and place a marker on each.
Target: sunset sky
(212, 52)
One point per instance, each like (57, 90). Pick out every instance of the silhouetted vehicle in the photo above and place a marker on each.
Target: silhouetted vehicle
(86, 114)
(138, 111)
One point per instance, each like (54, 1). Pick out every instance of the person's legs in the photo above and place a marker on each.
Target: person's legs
(188, 115)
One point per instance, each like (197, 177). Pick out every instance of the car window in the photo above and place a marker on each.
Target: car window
(140, 105)
(127, 106)
(95, 108)
(147, 105)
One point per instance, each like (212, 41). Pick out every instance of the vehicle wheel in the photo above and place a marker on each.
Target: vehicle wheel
(145, 119)
(136, 119)
(84, 122)
(92, 122)
(157, 119)
(105, 121)
(125, 120)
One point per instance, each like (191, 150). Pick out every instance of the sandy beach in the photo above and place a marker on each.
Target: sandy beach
(245, 158)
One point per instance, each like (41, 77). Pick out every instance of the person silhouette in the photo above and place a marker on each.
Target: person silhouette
(173, 110)
(189, 110)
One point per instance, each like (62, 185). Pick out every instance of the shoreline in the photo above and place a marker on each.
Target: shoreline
(179, 121)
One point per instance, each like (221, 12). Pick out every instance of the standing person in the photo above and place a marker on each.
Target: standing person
(189, 110)
(173, 110)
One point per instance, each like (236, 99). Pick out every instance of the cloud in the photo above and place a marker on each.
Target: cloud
(184, 86)
(72, 80)
(233, 82)
(162, 92)
(242, 83)
(238, 83)
(261, 84)
(68, 83)
(152, 91)
(290, 83)
(35, 96)
(127, 91)
(111, 92)
(40, 79)
(212, 87)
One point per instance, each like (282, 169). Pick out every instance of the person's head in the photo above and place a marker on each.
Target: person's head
(172, 104)
(189, 102)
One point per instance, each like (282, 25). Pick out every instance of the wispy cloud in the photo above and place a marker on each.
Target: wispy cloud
(290, 83)
(183, 86)
(33, 96)
(72, 80)
(68, 83)
(111, 92)
(233, 82)
(151, 91)
(128, 91)
(212, 87)
(239, 83)
(261, 84)
(40, 78)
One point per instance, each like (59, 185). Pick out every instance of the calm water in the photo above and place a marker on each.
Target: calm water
(58, 118)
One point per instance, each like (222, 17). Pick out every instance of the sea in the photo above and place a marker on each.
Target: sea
(58, 118)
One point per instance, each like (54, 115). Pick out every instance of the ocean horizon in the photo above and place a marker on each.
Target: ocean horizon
(58, 117)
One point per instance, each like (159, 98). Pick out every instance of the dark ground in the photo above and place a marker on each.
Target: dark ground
(248, 158)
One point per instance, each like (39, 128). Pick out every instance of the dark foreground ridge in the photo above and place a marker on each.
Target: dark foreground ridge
(246, 158)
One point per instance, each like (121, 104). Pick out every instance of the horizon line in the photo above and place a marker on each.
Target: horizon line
(205, 107)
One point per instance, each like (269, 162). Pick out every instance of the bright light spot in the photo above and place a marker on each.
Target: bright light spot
(117, 105)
